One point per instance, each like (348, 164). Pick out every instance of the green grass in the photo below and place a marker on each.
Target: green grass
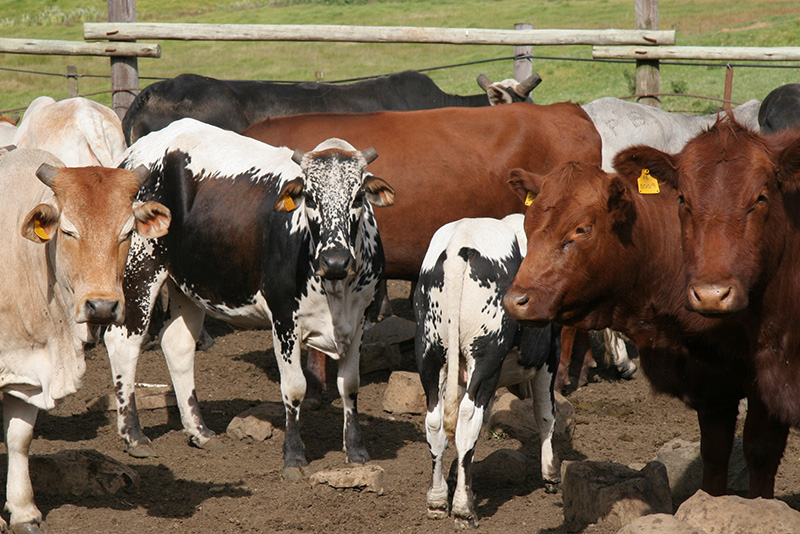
(701, 23)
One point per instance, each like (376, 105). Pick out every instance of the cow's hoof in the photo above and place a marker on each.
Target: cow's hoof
(437, 511)
(552, 487)
(296, 473)
(30, 528)
(465, 523)
(142, 450)
(208, 444)
(628, 372)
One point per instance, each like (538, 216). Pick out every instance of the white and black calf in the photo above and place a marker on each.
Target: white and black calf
(262, 236)
(465, 337)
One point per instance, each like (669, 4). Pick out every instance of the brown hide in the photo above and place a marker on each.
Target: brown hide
(445, 164)
(739, 217)
(602, 255)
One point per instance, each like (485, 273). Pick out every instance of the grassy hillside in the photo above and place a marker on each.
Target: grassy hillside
(701, 22)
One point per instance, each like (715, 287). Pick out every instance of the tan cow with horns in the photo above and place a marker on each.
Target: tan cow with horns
(67, 232)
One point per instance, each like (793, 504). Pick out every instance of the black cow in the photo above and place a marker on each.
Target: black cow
(235, 105)
(780, 110)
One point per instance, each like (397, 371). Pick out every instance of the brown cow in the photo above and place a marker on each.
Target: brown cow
(66, 233)
(445, 164)
(739, 215)
(602, 255)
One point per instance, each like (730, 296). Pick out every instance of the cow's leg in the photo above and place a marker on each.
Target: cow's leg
(316, 373)
(179, 338)
(617, 353)
(545, 409)
(18, 420)
(717, 430)
(348, 381)
(286, 343)
(474, 406)
(764, 443)
(567, 342)
(143, 281)
(432, 374)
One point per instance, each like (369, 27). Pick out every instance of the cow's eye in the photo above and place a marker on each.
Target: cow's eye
(68, 233)
(310, 202)
(683, 205)
(359, 200)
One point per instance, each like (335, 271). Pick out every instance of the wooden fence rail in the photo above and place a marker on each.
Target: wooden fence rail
(78, 48)
(709, 53)
(370, 34)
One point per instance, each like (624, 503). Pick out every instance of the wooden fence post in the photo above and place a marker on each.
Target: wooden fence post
(124, 70)
(72, 80)
(647, 72)
(523, 63)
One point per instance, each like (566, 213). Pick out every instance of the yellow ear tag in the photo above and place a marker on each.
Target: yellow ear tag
(288, 203)
(529, 198)
(39, 231)
(647, 184)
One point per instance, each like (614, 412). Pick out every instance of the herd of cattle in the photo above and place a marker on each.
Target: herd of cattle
(523, 227)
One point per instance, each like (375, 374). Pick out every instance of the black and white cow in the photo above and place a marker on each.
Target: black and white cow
(262, 236)
(465, 337)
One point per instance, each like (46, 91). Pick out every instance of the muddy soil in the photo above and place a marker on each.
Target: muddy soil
(239, 489)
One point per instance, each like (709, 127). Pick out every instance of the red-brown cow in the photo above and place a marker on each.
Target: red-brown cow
(445, 164)
(739, 214)
(602, 255)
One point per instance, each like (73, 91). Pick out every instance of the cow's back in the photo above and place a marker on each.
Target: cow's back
(445, 164)
(780, 109)
(78, 131)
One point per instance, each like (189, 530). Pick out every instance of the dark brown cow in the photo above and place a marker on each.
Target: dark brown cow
(739, 216)
(445, 164)
(602, 255)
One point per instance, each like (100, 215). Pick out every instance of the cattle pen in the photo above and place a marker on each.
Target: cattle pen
(237, 485)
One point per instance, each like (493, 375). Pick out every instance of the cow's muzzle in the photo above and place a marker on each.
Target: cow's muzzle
(101, 312)
(715, 298)
(520, 305)
(335, 265)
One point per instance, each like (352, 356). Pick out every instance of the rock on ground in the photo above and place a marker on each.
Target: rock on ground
(612, 493)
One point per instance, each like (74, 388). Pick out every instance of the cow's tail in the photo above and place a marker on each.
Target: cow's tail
(454, 274)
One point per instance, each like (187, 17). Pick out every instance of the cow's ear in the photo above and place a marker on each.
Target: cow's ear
(631, 162)
(379, 193)
(620, 208)
(789, 163)
(40, 224)
(290, 195)
(152, 219)
(525, 184)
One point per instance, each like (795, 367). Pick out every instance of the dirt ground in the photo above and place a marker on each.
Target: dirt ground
(239, 489)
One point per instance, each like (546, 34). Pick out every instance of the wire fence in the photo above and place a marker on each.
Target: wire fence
(77, 76)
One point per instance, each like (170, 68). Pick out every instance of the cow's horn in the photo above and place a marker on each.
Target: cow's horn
(46, 173)
(297, 157)
(369, 155)
(529, 84)
(484, 82)
(142, 173)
